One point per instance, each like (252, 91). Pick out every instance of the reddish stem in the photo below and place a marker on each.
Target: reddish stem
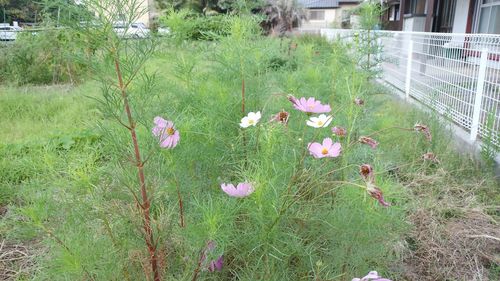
(181, 208)
(198, 267)
(145, 206)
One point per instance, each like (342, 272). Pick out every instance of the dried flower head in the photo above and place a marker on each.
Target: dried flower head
(281, 117)
(359, 101)
(429, 156)
(366, 172)
(339, 131)
(423, 129)
(369, 141)
(376, 193)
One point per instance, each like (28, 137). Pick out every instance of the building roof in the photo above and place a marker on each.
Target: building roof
(316, 4)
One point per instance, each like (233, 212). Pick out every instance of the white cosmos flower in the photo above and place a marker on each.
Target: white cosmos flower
(320, 121)
(250, 120)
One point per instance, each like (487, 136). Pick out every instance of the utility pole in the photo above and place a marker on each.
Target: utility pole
(4, 17)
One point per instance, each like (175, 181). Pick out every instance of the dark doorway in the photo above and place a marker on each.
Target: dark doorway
(444, 16)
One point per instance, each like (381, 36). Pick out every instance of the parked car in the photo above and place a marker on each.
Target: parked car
(134, 30)
(8, 33)
(163, 31)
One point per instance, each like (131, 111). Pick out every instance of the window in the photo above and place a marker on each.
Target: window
(489, 17)
(394, 13)
(316, 15)
(415, 7)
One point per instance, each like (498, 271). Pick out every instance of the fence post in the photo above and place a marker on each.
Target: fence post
(408, 69)
(479, 95)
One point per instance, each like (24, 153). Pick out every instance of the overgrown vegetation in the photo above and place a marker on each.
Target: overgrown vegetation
(70, 197)
(46, 57)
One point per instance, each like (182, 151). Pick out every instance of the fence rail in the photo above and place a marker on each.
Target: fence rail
(457, 75)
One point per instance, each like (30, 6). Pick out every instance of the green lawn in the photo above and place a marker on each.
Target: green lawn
(67, 179)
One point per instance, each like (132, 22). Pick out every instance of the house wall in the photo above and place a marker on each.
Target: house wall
(333, 18)
(330, 16)
(415, 23)
(461, 14)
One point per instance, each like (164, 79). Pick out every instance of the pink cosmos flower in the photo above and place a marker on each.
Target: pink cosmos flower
(311, 105)
(241, 190)
(369, 141)
(359, 101)
(166, 133)
(339, 131)
(425, 130)
(281, 117)
(372, 275)
(216, 265)
(326, 149)
(213, 265)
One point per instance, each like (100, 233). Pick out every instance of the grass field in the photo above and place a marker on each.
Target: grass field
(67, 181)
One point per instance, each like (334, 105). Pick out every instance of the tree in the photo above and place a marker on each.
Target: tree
(282, 16)
(19, 10)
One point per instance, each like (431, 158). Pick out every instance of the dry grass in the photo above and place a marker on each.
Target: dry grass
(453, 236)
(16, 261)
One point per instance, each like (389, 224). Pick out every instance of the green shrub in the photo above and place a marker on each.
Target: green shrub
(44, 57)
(186, 25)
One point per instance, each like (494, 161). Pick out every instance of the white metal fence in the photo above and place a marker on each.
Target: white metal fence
(457, 75)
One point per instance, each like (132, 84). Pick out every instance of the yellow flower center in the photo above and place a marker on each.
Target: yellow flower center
(170, 131)
(320, 123)
(250, 122)
(324, 151)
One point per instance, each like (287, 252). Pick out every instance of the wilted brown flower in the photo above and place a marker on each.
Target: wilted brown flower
(369, 141)
(424, 129)
(376, 193)
(339, 131)
(429, 156)
(281, 117)
(366, 171)
(359, 101)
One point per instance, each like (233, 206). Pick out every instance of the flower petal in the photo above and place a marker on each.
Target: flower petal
(335, 150)
(327, 142)
(315, 149)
